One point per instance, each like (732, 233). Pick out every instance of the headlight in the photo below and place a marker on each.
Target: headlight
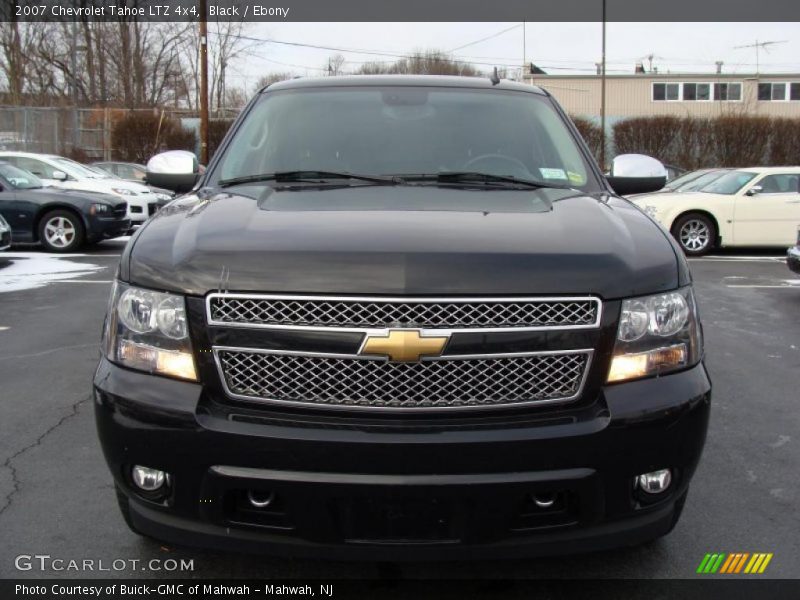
(99, 209)
(163, 197)
(656, 334)
(123, 191)
(147, 331)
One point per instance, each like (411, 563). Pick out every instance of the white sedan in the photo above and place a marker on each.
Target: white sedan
(759, 206)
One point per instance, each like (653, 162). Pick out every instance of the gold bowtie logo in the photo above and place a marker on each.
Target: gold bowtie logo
(404, 345)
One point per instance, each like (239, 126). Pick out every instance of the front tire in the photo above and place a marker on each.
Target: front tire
(61, 231)
(696, 234)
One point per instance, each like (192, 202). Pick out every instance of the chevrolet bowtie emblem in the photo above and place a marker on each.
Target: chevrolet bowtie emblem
(402, 345)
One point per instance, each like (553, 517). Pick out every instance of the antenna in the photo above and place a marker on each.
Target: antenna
(649, 58)
(758, 45)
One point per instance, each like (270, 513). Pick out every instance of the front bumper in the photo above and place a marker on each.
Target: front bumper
(793, 259)
(103, 228)
(392, 493)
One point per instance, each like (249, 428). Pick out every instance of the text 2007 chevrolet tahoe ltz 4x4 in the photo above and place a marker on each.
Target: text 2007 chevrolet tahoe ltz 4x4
(402, 317)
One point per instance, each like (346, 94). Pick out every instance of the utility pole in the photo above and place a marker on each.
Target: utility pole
(73, 67)
(524, 54)
(203, 84)
(603, 96)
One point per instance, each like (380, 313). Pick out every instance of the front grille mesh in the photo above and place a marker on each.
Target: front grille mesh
(383, 314)
(381, 384)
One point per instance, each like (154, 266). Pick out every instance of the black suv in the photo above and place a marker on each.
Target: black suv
(402, 317)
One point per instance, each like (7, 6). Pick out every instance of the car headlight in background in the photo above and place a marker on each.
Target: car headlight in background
(123, 191)
(147, 331)
(163, 197)
(656, 334)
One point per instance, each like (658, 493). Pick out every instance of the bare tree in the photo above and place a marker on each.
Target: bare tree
(428, 62)
(335, 65)
(271, 78)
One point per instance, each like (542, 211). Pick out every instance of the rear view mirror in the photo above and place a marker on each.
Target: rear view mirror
(756, 189)
(175, 170)
(636, 174)
(59, 176)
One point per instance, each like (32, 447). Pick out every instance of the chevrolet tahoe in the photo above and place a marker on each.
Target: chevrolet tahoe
(402, 318)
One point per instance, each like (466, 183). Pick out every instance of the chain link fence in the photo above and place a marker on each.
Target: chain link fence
(80, 133)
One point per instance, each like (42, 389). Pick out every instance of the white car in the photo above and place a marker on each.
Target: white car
(60, 172)
(758, 206)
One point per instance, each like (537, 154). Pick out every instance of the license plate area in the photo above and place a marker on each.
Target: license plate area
(400, 520)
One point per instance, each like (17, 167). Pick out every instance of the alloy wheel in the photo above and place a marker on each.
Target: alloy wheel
(60, 232)
(695, 235)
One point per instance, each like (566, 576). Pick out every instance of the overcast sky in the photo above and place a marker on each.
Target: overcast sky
(556, 47)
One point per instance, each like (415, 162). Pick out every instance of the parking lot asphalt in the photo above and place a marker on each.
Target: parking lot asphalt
(57, 498)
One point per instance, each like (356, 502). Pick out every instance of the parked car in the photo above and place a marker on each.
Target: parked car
(688, 182)
(793, 255)
(5, 234)
(134, 172)
(757, 206)
(61, 220)
(462, 343)
(64, 173)
(673, 172)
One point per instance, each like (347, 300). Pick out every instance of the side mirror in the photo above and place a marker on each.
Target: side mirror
(636, 174)
(756, 189)
(175, 170)
(59, 176)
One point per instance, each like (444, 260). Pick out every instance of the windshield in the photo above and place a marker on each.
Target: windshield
(78, 170)
(730, 183)
(683, 180)
(701, 181)
(397, 131)
(20, 179)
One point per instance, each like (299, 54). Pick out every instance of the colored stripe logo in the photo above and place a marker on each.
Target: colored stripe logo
(735, 563)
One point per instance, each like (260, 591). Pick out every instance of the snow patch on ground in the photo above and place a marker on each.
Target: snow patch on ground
(39, 270)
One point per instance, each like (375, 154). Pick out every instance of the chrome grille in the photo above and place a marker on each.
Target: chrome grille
(446, 382)
(377, 313)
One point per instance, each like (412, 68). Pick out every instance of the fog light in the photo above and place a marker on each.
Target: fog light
(148, 479)
(655, 482)
(260, 499)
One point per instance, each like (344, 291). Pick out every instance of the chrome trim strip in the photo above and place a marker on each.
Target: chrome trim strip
(381, 331)
(274, 401)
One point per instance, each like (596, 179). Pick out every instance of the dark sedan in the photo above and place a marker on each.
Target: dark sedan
(5, 234)
(61, 220)
(793, 256)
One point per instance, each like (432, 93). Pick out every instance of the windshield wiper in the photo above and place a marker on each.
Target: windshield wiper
(301, 176)
(476, 177)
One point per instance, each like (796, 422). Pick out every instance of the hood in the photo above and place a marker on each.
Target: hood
(403, 240)
(53, 194)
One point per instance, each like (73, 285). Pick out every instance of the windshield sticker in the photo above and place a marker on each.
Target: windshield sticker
(576, 178)
(553, 173)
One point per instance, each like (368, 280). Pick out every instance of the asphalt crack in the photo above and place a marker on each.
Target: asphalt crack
(8, 464)
(50, 351)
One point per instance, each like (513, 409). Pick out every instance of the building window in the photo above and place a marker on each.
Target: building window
(728, 92)
(699, 92)
(696, 91)
(778, 91)
(669, 92)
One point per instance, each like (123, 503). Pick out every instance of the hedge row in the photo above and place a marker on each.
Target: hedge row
(729, 141)
(694, 143)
